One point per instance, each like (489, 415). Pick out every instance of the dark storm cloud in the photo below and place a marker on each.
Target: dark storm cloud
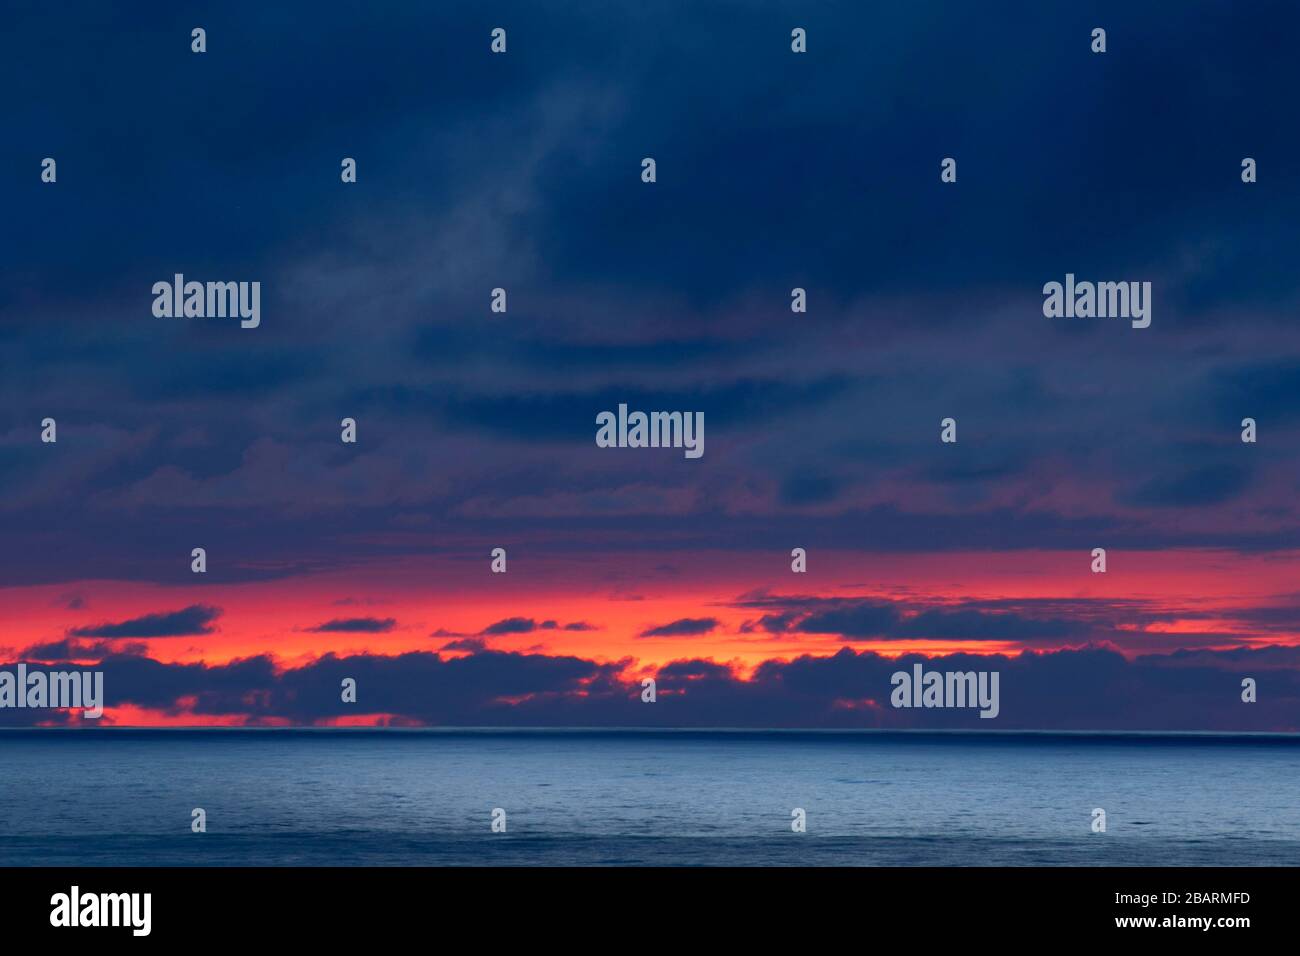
(356, 625)
(417, 89)
(804, 137)
(195, 619)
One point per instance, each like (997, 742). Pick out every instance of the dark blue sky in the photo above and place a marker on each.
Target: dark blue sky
(522, 171)
(775, 170)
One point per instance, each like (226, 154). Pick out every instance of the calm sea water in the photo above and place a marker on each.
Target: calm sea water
(686, 798)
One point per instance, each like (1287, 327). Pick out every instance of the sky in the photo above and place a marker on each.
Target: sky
(476, 430)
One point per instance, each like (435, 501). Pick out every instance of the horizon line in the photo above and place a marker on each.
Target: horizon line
(841, 731)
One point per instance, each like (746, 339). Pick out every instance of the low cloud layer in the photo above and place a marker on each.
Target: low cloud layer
(1093, 688)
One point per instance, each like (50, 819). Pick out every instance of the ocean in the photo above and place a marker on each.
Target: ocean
(685, 798)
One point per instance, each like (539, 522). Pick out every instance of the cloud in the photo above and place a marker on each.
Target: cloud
(803, 489)
(685, 627)
(1206, 485)
(526, 625)
(1091, 688)
(474, 645)
(195, 619)
(855, 619)
(71, 648)
(822, 428)
(568, 416)
(863, 619)
(355, 625)
(512, 625)
(1266, 391)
